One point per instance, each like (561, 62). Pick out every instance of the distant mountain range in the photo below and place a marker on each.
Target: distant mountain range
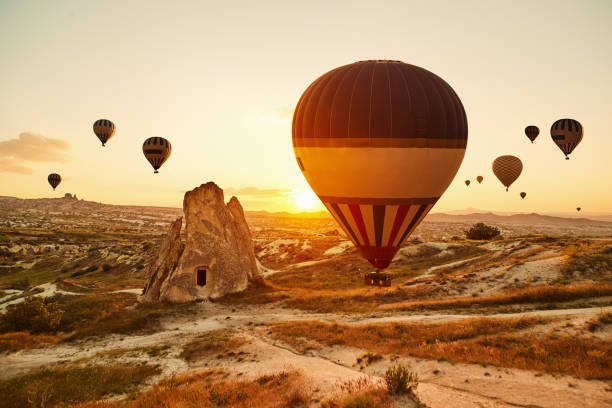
(467, 216)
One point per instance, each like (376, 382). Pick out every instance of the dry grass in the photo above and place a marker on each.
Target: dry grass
(362, 392)
(598, 322)
(588, 260)
(62, 386)
(535, 294)
(216, 342)
(479, 340)
(23, 340)
(212, 389)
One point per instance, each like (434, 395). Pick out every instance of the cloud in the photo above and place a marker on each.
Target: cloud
(256, 192)
(280, 115)
(31, 147)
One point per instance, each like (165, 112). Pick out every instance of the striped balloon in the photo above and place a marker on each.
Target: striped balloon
(54, 179)
(104, 129)
(479, 179)
(379, 142)
(507, 169)
(156, 150)
(566, 133)
(532, 132)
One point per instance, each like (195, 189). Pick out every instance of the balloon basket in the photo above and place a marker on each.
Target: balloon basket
(377, 279)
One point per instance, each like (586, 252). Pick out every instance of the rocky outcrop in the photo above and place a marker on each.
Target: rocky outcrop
(69, 196)
(215, 258)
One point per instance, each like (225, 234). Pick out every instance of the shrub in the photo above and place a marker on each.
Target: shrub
(32, 315)
(106, 267)
(400, 380)
(21, 284)
(482, 231)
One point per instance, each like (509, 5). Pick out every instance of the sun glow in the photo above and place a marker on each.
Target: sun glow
(305, 199)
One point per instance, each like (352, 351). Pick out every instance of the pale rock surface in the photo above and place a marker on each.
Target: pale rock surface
(217, 240)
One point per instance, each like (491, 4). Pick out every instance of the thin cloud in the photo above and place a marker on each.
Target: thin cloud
(280, 115)
(256, 192)
(29, 148)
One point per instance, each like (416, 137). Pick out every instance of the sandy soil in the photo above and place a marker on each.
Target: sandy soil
(452, 385)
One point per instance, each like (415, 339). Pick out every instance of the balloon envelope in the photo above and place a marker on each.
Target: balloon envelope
(467, 182)
(156, 150)
(567, 134)
(479, 179)
(104, 129)
(507, 169)
(532, 132)
(379, 142)
(54, 179)
(523, 194)
(578, 208)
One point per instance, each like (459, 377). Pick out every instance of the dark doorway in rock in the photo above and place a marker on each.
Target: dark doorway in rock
(201, 277)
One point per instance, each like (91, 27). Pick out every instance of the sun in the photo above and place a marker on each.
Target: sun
(305, 200)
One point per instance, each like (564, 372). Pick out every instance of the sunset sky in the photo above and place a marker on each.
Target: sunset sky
(220, 80)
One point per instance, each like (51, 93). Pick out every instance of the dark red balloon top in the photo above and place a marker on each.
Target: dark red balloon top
(381, 100)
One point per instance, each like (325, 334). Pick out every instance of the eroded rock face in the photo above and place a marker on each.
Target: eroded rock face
(216, 258)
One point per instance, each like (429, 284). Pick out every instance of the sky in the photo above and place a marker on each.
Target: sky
(220, 80)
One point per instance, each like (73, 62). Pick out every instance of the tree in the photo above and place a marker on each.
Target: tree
(482, 231)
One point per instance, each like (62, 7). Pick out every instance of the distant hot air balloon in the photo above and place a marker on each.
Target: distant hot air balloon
(54, 179)
(156, 150)
(532, 132)
(467, 182)
(523, 194)
(578, 208)
(104, 129)
(566, 133)
(379, 142)
(479, 179)
(507, 169)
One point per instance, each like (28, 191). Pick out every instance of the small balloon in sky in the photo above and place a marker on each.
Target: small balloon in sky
(54, 179)
(507, 169)
(157, 150)
(567, 134)
(104, 129)
(532, 132)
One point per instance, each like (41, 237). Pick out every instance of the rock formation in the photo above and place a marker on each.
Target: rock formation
(215, 258)
(69, 196)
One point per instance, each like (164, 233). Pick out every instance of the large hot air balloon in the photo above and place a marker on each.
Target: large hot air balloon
(566, 133)
(467, 182)
(479, 179)
(532, 132)
(523, 194)
(54, 179)
(104, 129)
(507, 169)
(156, 150)
(379, 142)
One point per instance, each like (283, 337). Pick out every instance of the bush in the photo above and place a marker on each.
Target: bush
(32, 315)
(400, 380)
(482, 231)
(21, 284)
(106, 267)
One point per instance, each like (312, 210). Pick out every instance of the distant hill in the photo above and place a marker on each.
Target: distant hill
(523, 219)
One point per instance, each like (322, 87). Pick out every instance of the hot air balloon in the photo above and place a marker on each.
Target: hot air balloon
(523, 194)
(467, 182)
(157, 150)
(479, 179)
(507, 169)
(578, 208)
(532, 132)
(379, 142)
(104, 129)
(566, 133)
(54, 179)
